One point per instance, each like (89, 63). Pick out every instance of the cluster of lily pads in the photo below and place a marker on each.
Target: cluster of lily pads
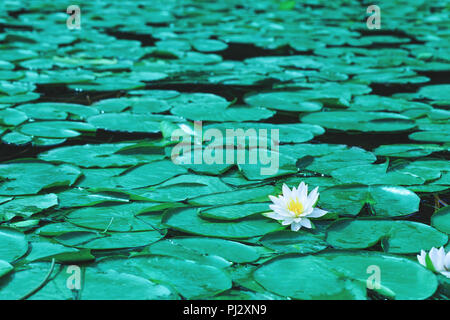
(87, 179)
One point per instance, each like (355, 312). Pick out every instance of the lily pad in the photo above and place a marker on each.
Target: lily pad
(190, 279)
(343, 275)
(188, 220)
(441, 219)
(395, 236)
(14, 244)
(360, 121)
(106, 241)
(27, 206)
(26, 178)
(234, 212)
(384, 200)
(294, 242)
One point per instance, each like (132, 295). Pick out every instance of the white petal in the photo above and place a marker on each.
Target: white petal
(446, 273)
(447, 261)
(441, 254)
(313, 196)
(422, 257)
(285, 201)
(274, 207)
(302, 192)
(279, 201)
(281, 211)
(298, 193)
(316, 213)
(295, 226)
(274, 199)
(306, 223)
(438, 264)
(286, 191)
(307, 211)
(273, 215)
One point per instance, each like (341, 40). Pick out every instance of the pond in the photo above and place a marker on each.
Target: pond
(268, 150)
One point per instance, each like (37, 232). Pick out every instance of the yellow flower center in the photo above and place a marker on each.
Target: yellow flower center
(296, 207)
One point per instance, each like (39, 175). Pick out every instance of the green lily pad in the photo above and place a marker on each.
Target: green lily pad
(83, 198)
(210, 113)
(57, 111)
(127, 122)
(208, 45)
(14, 244)
(190, 279)
(294, 242)
(5, 268)
(109, 84)
(27, 206)
(435, 92)
(339, 159)
(173, 249)
(19, 98)
(16, 138)
(407, 150)
(230, 250)
(441, 219)
(188, 220)
(360, 121)
(16, 285)
(384, 200)
(343, 275)
(149, 174)
(395, 236)
(46, 250)
(106, 241)
(182, 188)
(101, 156)
(284, 101)
(122, 218)
(235, 196)
(375, 174)
(287, 133)
(431, 136)
(102, 286)
(12, 117)
(27, 178)
(56, 129)
(234, 212)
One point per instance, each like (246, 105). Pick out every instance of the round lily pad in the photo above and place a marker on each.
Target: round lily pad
(14, 245)
(344, 275)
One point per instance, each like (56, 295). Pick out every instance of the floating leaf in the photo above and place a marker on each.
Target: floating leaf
(395, 236)
(22, 178)
(234, 212)
(343, 275)
(294, 242)
(190, 279)
(27, 206)
(384, 201)
(14, 244)
(105, 241)
(441, 219)
(187, 220)
(360, 121)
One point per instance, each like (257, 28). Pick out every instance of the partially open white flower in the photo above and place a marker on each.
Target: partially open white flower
(436, 260)
(295, 207)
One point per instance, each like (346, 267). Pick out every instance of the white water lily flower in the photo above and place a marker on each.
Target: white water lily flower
(295, 207)
(436, 260)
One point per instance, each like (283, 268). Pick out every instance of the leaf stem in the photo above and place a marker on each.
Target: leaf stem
(42, 284)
